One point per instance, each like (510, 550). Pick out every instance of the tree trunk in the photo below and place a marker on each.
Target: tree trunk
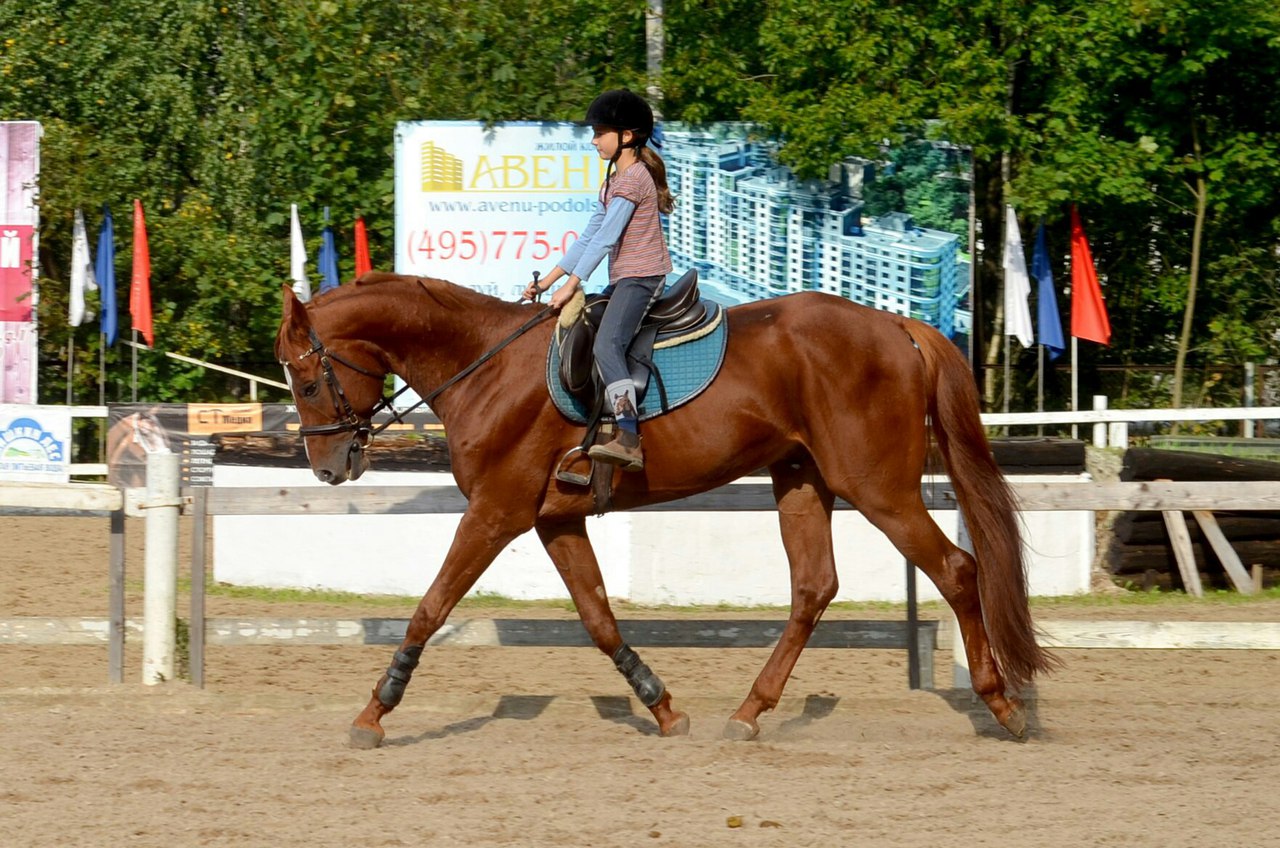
(988, 196)
(655, 49)
(1201, 192)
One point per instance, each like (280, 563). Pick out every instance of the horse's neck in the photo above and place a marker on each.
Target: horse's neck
(428, 340)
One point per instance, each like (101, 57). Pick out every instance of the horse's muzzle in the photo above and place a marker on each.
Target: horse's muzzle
(354, 464)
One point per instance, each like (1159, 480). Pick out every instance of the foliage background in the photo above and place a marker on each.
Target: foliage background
(1158, 118)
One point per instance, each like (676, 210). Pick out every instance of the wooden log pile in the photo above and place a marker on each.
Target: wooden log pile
(1140, 550)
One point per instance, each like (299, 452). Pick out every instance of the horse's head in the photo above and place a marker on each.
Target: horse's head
(337, 385)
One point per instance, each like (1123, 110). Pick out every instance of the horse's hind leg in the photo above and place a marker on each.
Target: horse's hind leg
(804, 514)
(570, 549)
(955, 572)
(475, 544)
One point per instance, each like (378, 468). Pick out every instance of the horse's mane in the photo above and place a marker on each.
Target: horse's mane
(480, 310)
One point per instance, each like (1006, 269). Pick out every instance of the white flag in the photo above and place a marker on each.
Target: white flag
(82, 276)
(298, 257)
(1017, 284)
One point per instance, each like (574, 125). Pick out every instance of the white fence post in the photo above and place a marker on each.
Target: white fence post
(1099, 430)
(960, 678)
(1246, 426)
(160, 591)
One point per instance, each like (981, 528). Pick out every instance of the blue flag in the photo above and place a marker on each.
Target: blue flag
(104, 268)
(1050, 325)
(327, 259)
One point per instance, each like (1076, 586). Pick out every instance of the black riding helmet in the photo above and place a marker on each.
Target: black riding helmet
(622, 109)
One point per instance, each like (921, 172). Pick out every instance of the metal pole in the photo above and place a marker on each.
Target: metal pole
(1006, 376)
(102, 369)
(1075, 388)
(71, 363)
(1040, 386)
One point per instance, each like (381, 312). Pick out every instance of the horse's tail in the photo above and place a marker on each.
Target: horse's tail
(988, 507)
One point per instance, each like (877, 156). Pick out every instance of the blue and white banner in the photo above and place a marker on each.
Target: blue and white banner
(35, 443)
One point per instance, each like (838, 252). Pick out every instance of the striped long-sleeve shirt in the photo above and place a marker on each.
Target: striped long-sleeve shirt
(626, 227)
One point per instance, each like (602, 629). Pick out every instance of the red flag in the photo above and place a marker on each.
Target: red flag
(1088, 312)
(362, 249)
(140, 288)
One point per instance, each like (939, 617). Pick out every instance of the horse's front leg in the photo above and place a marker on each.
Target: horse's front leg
(804, 515)
(480, 537)
(570, 549)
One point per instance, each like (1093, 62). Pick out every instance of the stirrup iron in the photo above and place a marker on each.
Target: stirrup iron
(574, 478)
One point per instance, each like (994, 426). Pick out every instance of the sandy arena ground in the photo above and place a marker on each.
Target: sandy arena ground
(542, 747)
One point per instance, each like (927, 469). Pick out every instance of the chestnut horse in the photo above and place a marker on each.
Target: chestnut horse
(833, 398)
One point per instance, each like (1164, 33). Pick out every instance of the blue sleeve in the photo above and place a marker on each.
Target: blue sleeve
(579, 246)
(610, 230)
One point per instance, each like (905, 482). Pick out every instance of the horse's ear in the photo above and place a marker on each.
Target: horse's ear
(296, 319)
(295, 312)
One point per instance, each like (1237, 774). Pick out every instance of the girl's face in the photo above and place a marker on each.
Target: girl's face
(607, 142)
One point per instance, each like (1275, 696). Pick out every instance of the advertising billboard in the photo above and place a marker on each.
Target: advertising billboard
(19, 221)
(488, 206)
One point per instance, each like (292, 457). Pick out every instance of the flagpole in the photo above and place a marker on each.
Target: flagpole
(134, 348)
(1040, 386)
(102, 389)
(1006, 377)
(1075, 386)
(71, 361)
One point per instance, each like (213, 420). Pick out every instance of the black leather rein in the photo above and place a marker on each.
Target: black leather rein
(349, 421)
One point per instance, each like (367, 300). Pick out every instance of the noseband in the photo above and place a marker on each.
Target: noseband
(349, 421)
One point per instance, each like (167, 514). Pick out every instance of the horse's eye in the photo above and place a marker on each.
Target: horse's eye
(311, 390)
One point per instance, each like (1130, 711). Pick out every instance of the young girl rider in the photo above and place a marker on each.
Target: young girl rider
(626, 226)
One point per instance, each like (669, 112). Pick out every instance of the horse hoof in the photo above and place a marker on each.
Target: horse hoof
(1016, 721)
(679, 727)
(365, 739)
(737, 730)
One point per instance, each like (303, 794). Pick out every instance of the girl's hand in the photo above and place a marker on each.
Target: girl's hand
(564, 293)
(531, 291)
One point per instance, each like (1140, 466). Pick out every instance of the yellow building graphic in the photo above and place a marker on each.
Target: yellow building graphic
(441, 170)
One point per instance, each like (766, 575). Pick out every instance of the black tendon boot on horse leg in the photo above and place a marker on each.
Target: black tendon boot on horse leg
(386, 695)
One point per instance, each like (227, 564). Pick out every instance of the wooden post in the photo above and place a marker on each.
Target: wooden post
(196, 628)
(160, 594)
(1180, 539)
(115, 603)
(1226, 554)
(1099, 430)
(913, 633)
(960, 677)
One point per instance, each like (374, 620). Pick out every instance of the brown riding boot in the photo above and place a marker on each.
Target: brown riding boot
(622, 450)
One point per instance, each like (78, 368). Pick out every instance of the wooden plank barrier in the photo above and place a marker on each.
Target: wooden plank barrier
(83, 499)
(919, 637)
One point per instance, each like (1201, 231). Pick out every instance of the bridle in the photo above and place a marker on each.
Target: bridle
(362, 427)
(348, 420)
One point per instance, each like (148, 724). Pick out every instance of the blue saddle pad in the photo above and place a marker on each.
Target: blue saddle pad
(686, 370)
